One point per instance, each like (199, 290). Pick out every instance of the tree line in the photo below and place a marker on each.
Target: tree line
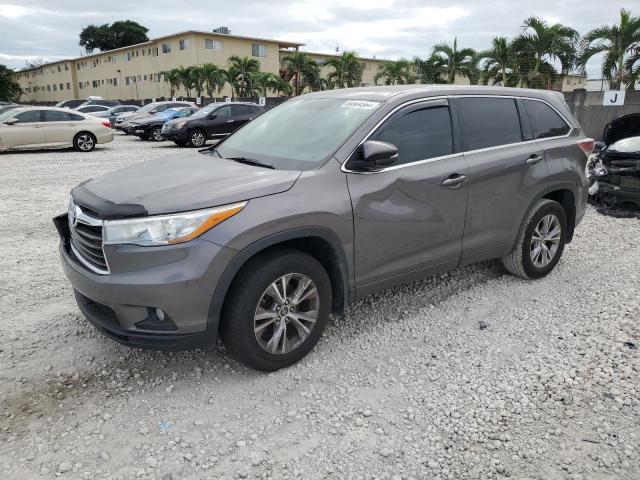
(540, 54)
(535, 58)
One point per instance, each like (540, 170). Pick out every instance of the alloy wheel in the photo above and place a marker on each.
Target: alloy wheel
(156, 134)
(545, 240)
(85, 142)
(197, 139)
(286, 313)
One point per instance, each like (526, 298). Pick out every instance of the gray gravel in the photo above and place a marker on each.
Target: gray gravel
(471, 374)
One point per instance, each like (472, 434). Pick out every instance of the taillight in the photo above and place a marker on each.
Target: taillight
(107, 123)
(587, 145)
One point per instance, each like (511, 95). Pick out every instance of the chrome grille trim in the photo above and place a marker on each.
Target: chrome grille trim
(87, 245)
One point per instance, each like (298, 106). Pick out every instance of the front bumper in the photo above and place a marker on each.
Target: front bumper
(180, 135)
(177, 279)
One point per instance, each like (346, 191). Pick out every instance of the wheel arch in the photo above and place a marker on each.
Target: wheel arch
(566, 198)
(319, 242)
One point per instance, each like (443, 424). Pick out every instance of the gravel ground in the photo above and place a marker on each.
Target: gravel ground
(471, 374)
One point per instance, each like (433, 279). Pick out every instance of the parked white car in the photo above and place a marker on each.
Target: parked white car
(31, 128)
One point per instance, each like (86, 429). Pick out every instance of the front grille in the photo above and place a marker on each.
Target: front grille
(86, 239)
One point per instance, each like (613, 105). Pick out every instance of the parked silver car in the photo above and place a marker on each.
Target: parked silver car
(29, 128)
(322, 200)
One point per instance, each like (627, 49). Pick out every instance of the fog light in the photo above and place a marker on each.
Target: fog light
(160, 314)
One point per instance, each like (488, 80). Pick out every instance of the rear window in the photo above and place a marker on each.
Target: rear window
(488, 122)
(418, 134)
(545, 120)
(54, 116)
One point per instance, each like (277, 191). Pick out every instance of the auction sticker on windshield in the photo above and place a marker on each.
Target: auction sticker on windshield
(361, 104)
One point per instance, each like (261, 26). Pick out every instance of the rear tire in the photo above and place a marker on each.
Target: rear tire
(540, 244)
(84, 142)
(266, 333)
(197, 139)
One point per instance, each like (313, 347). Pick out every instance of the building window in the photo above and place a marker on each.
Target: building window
(211, 44)
(127, 80)
(78, 66)
(258, 50)
(166, 48)
(66, 67)
(95, 84)
(61, 86)
(115, 82)
(184, 44)
(127, 56)
(68, 85)
(80, 85)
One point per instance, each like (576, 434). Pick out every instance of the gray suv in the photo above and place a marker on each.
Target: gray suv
(322, 200)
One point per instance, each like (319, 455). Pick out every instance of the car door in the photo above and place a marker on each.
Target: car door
(27, 132)
(60, 127)
(507, 170)
(220, 122)
(409, 217)
(240, 114)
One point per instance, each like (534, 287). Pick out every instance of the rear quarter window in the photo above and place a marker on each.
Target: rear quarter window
(488, 122)
(545, 121)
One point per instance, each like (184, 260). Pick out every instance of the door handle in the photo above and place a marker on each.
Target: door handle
(533, 159)
(454, 180)
(37, 126)
(230, 121)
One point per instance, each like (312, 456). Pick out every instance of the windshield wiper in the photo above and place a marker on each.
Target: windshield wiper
(211, 149)
(251, 161)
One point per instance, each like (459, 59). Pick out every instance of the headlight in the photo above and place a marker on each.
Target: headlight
(178, 125)
(167, 229)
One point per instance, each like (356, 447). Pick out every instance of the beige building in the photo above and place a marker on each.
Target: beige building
(135, 72)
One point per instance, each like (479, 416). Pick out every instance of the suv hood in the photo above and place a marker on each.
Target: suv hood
(180, 183)
(621, 127)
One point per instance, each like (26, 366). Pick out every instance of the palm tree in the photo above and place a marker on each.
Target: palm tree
(214, 78)
(172, 77)
(300, 68)
(540, 44)
(499, 62)
(239, 73)
(196, 79)
(395, 73)
(429, 70)
(617, 43)
(347, 70)
(186, 78)
(455, 61)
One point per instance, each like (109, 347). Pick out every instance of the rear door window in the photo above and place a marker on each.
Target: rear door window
(238, 110)
(418, 133)
(55, 116)
(488, 122)
(545, 120)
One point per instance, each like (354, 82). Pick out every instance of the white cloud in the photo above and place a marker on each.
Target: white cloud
(12, 11)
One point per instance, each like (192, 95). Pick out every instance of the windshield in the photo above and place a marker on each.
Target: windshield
(7, 115)
(147, 108)
(204, 112)
(299, 134)
(626, 145)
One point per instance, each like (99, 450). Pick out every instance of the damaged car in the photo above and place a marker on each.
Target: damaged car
(614, 168)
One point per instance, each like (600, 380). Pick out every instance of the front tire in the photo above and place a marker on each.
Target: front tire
(156, 134)
(541, 241)
(84, 142)
(276, 309)
(197, 139)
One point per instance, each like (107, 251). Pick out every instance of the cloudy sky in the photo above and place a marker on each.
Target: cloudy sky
(391, 29)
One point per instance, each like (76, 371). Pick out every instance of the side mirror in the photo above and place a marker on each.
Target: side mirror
(375, 156)
(598, 146)
(212, 116)
(11, 121)
(152, 112)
